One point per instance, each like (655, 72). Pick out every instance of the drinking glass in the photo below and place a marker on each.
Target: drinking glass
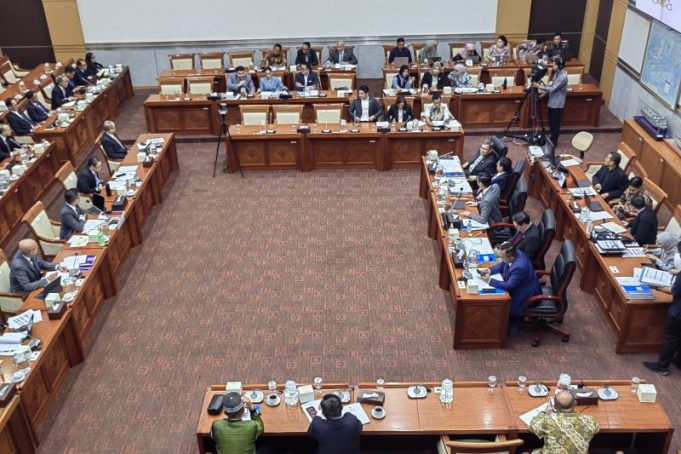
(635, 382)
(492, 382)
(317, 384)
(380, 383)
(272, 386)
(522, 381)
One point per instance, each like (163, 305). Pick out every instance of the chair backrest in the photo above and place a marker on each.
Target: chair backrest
(627, 155)
(39, 96)
(341, 81)
(482, 447)
(498, 81)
(674, 225)
(200, 85)
(386, 50)
(242, 58)
(212, 60)
(328, 113)
(388, 76)
(562, 270)
(254, 114)
(39, 223)
(9, 76)
(519, 197)
(499, 147)
(67, 176)
(47, 92)
(181, 61)
(288, 114)
(656, 193)
(172, 85)
(418, 47)
(547, 230)
(519, 166)
(4, 273)
(454, 48)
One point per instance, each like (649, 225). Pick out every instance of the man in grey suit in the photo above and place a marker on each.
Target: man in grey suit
(240, 83)
(487, 202)
(72, 217)
(26, 269)
(557, 90)
(342, 55)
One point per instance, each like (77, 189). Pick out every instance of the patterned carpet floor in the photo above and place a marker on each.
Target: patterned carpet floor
(291, 275)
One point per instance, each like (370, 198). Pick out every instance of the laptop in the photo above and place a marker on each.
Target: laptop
(399, 61)
(52, 287)
(98, 201)
(433, 60)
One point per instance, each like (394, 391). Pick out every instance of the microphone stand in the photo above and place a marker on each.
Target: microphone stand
(224, 132)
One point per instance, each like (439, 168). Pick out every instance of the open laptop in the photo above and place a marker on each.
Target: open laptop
(433, 60)
(52, 287)
(399, 61)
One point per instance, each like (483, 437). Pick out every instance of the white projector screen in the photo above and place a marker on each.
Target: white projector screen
(129, 21)
(634, 39)
(668, 12)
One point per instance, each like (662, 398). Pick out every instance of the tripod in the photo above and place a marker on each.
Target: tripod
(537, 130)
(224, 132)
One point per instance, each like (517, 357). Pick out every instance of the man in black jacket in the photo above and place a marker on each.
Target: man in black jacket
(526, 238)
(365, 108)
(61, 92)
(18, 121)
(610, 180)
(338, 433)
(483, 163)
(88, 178)
(8, 146)
(112, 145)
(307, 55)
(72, 217)
(644, 225)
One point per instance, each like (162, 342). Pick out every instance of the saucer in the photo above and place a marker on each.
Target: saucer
(256, 397)
(607, 393)
(344, 396)
(68, 297)
(417, 392)
(376, 415)
(537, 390)
(273, 402)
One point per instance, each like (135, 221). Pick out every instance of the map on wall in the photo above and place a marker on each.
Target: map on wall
(662, 64)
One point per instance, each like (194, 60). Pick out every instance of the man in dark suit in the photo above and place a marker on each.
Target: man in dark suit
(18, 121)
(26, 269)
(365, 108)
(61, 93)
(81, 78)
(342, 55)
(113, 147)
(610, 181)
(401, 51)
(483, 163)
(520, 281)
(88, 178)
(487, 201)
(72, 217)
(526, 238)
(306, 55)
(35, 110)
(644, 225)
(8, 146)
(307, 79)
(338, 433)
(504, 171)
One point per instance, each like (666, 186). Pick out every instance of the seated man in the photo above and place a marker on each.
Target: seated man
(113, 147)
(240, 83)
(365, 108)
(402, 80)
(434, 79)
(337, 433)
(274, 58)
(88, 178)
(623, 208)
(81, 77)
(70, 74)
(18, 121)
(562, 428)
(644, 225)
(35, 109)
(467, 52)
(307, 79)
(401, 51)
(483, 163)
(26, 269)
(400, 112)
(503, 175)
(526, 238)
(558, 48)
(307, 55)
(61, 93)
(71, 216)
(233, 434)
(270, 83)
(342, 55)
(436, 111)
(610, 180)
(520, 281)
(487, 202)
(8, 146)
(460, 77)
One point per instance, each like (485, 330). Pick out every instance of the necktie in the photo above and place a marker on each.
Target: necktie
(36, 268)
(340, 57)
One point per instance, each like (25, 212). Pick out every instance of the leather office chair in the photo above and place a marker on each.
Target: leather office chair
(388, 76)
(9, 302)
(242, 58)
(386, 51)
(181, 61)
(454, 49)
(547, 310)
(212, 60)
(328, 113)
(341, 81)
(44, 229)
(200, 85)
(674, 225)
(66, 175)
(655, 192)
(518, 199)
(39, 96)
(547, 231)
(18, 71)
(172, 85)
(8, 75)
(498, 81)
(499, 147)
(47, 93)
(500, 446)
(507, 195)
(288, 114)
(254, 114)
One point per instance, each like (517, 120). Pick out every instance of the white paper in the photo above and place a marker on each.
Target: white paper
(127, 169)
(482, 285)
(600, 215)
(8, 349)
(569, 163)
(475, 225)
(614, 227)
(23, 319)
(78, 240)
(581, 192)
(356, 409)
(117, 185)
(482, 245)
(634, 252)
(529, 416)
(628, 280)
(92, 224)
(12, 338)
(74, 261)
(656, 277)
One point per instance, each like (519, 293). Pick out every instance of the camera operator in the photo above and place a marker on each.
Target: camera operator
(557, 90)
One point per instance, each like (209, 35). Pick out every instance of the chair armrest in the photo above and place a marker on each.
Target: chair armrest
(502, 225)
(542, 273)
(11, 295)
(527, 310)
(50, 240)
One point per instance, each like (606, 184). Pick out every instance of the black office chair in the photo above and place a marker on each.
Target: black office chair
(547, 310)
(518, 170)
(518, 199)
(547, 230)
(499, 147)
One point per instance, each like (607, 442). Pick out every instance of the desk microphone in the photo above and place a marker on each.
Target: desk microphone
(446, 154)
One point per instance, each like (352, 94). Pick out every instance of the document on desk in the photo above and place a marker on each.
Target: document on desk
(529, 416)
(613, 227)
(634, 252)
(117, 185)
(600, 215)
(313, 408)
(483, 246)
(653, 276)
(581, 192)
(482, 285)
(74, 261)
(92, 224)
(569, 163)
(23, 319)
(78, 240)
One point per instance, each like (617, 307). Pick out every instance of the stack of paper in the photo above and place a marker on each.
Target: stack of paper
(23, 319)
(634, 289)
(653, 276)
(613, 227)
(313, 408)
(581, 192)
(78, 241)
(529, 416)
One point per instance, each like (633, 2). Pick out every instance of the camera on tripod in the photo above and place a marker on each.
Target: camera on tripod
(223, 108)
(537, 74)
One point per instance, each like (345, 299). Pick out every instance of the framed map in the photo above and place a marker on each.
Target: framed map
(662, 63)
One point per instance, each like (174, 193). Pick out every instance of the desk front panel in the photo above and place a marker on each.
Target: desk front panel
(490, 110)
(329, 151)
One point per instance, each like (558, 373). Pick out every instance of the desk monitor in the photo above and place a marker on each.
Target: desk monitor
(52, 287)
(399, 61)
(549, 150)
(98, 201)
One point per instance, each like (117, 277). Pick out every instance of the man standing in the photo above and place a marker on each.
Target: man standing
(233, 435)
(71, 216)
(112, 145)
(365, 108)
(610, 181)
(26, 269)
(563, 429)
(20, 123)
(338, 433)
(557, 90)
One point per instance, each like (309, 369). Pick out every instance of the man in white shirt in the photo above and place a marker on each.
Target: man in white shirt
(112, 145)
(365, 108)
(437, 111)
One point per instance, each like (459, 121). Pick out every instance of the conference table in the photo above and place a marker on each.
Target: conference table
(330, 146)
(638, 324)
(16, 432)
(480, 321)
(475, 412)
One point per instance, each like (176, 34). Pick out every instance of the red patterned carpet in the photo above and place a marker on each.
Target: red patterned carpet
(290, 275)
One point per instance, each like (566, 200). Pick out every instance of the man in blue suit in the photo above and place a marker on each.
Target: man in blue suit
(35, 110)
(239, 82)
(520, 281)
(483, 163)
(306, 78)
(61, 93)
(20, 123)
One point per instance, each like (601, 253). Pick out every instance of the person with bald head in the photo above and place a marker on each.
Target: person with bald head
(563, 429)
(26, 269)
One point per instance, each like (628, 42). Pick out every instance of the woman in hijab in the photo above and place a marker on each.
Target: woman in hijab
(428, 51)
(460, 78)
(467, 51)
(666, 257)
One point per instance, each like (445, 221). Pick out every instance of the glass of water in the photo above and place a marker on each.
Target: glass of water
(272, 386)
(492, 382)
(317, 381)
(380, 384)
(522, 381)
(635, 382)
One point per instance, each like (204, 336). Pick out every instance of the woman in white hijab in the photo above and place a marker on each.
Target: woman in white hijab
(667, 257)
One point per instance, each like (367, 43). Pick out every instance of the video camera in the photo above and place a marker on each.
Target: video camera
(538, 72)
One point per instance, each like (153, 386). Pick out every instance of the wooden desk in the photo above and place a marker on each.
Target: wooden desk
(75, 141)
(638, 324)
(24, 192)
(219, 79)
(480, 321)
(367, 148)
(17, 434)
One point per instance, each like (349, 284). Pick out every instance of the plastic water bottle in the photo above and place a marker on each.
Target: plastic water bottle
(447, 391)
(589, 227)
(415, 126)
(290, 393)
